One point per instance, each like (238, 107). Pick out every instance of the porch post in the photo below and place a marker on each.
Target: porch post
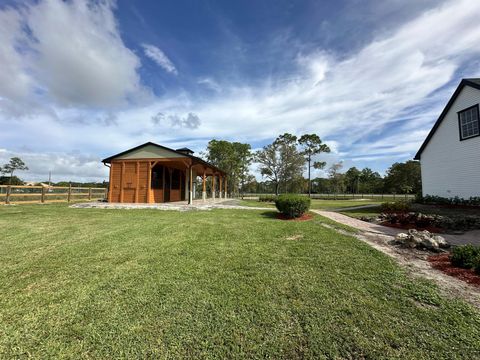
(220, 187)
(187, 183)
(204, 186)
(190, 185)
(213, 187)
(225, 187)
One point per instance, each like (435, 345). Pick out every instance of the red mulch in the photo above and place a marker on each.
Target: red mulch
(304, 217)
(432, 229)
(442, 262)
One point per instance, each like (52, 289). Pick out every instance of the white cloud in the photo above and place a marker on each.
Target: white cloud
(63, 166)
(72, 54)
(157, 55)
(346, 100)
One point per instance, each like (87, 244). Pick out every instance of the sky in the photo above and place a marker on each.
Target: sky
(83, 80)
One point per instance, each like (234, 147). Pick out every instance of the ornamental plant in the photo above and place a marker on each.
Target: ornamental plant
(292, 206)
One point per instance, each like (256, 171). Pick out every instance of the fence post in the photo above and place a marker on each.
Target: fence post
(89, 193)
(393, 196)
(69, 192)
(106, 193)
(7, 197)
(42, 199)
(382, 195)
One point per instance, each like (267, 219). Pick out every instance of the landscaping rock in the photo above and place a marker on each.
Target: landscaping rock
(421, 240)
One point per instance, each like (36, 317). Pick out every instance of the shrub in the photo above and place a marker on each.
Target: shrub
(476, 265)
(438, 200)
(267, 198)
(292, 206)
(396, 206)
(465, 256)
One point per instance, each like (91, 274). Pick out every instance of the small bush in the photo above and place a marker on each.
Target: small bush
(267, 198)
(395, 207)
(476, 265)
(465, 256)
(292, 206)
(438, 200)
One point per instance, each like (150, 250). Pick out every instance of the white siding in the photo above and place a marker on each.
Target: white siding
(451, 167)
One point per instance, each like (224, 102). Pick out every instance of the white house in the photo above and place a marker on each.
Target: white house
(450, 155)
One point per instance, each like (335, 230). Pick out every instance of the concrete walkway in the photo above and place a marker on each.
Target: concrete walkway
(469, 237)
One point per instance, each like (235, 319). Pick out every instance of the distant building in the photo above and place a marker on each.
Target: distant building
(450, 155)
(152, 173)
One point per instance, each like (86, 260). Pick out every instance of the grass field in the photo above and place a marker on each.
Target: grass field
(320, 204)
(91, 283)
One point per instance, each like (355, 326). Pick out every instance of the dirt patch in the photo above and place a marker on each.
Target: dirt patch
(442, 263)
(295, 237)
(304, 217)
(431, 229)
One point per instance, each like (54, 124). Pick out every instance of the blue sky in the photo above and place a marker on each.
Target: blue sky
(83, 80)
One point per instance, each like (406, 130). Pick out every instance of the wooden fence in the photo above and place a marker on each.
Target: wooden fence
(16, 194)
(342, 196)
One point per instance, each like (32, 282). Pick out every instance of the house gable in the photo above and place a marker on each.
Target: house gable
(474, 83)
(146, 151)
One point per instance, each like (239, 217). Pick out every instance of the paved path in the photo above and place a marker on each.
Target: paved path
(470, 237)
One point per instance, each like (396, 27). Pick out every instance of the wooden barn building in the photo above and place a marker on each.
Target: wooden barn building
(152, 173)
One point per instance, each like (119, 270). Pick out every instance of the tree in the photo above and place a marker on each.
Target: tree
(270, 164)
(336, 178)
(15, 164)
(312, 145)
(7, 180)
(352, 180)
(404, 177)
(281, 163)
(232, 157)
(292, 163)
(370, 181)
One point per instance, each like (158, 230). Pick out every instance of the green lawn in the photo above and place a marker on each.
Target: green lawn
(320, 204)
(91, 283)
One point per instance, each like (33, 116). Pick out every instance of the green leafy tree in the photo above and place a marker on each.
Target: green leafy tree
(336, 177)
(15, 164)
(370, 181)
(232, 157)
(312, 145)
(270, 164)
(9, 180)
(404, 178)
(292, 163)
(352, 180)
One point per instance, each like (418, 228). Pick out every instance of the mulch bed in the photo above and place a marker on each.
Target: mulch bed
(432, 229)
(442, 262)
(304, 217)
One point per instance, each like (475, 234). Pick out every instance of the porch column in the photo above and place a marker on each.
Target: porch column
(225, 183)
(220, 187)
(204, 186)
(213, 187)
(187, 182)
(190, 185)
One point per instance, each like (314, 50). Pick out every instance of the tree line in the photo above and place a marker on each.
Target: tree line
(282, 165)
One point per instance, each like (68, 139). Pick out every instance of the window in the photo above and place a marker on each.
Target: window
(157, 177)
(176, 179)
(469, 123)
